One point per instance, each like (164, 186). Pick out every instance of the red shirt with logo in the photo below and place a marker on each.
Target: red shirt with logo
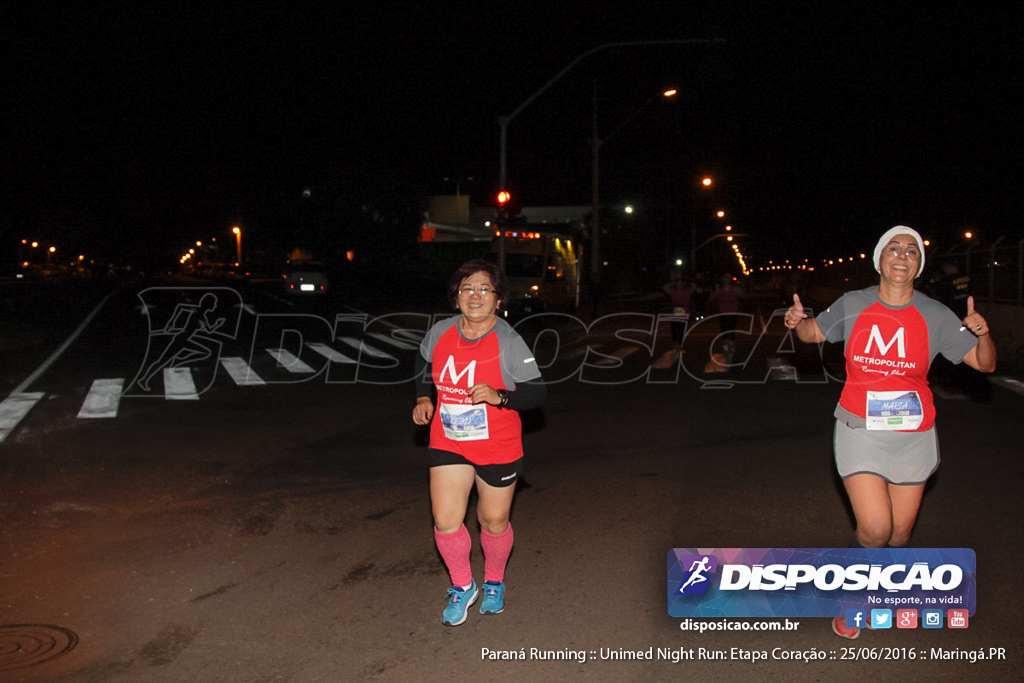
(483, 434)
(890, 348)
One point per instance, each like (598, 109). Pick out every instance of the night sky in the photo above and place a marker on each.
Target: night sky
(149, 127)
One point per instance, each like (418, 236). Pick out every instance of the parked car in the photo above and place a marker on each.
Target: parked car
(305, 278)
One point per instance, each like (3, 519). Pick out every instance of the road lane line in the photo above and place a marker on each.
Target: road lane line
(16, 406)
(1010, 383)
(20, 389)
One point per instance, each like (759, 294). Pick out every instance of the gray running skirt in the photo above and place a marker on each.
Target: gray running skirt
(905, 458)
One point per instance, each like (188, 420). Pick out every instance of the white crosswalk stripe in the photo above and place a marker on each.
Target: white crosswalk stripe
(240, 372)
(398, 343)
(330, 353)
(14, 408)
(370, 351)
(290, 362)
(104, 396)
(103, 399)
(178, 385)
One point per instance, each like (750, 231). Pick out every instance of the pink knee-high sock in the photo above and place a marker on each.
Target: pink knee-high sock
(497, 548)
(455, 548)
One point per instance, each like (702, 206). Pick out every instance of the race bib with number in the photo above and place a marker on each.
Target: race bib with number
(464, 422)
(894, 410)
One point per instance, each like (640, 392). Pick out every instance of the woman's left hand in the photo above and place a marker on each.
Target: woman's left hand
(974, 322)
(483, 393)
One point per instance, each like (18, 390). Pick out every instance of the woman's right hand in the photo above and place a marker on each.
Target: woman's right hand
(423, 412)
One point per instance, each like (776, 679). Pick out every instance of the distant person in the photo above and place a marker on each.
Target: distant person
(886, 446)
(727, 297)
(680, 292)
(482, 374)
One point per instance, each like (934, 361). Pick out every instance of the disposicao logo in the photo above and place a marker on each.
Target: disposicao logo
(696, 580)
(818, 582)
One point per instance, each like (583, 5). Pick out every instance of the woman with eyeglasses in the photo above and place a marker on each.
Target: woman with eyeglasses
(886, 446)
(481, 374)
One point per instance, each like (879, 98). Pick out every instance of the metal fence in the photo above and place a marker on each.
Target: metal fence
(996, 270)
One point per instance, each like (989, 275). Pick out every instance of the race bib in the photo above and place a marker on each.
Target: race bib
(464, 422)
(894, 410)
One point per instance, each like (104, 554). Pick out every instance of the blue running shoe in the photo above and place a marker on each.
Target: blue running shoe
(461, 600)
(494, 598)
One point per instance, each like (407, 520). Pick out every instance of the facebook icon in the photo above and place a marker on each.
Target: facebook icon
(855, 618)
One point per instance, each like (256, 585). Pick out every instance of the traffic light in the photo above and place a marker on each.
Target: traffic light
(504, 197)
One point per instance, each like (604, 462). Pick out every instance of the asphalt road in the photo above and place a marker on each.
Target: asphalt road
(281, 532)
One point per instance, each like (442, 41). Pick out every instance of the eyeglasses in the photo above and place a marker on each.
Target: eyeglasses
(470, 290)
(908, 250)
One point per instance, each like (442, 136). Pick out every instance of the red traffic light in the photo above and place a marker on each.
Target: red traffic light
(503, 197)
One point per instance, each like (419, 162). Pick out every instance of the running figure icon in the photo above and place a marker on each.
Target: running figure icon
(696, 570)
(191, 330)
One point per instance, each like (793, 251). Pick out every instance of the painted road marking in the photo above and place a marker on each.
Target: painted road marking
(1014, 385)
(103, 398)
(330, 353)
(240, 372)
(370, 351)
(178, 385)
(14, 408)
(398, 343)
(290, 362)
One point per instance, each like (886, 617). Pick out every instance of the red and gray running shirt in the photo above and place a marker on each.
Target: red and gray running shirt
(889, 349)
(482, 433)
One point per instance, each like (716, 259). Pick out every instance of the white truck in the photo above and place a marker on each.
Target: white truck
(542, 272)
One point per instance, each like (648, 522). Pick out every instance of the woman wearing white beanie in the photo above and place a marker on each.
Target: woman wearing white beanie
(886, 447)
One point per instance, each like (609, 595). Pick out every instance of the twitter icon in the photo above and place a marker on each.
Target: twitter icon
(881, 618)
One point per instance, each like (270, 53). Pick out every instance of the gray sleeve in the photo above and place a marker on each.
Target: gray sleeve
(517, 361)
(433, 334)
(832, 321)
(947, 334)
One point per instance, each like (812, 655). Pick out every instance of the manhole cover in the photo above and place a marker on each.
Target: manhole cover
(23, 645)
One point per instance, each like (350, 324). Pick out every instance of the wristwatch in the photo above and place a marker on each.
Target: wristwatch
(503, 395)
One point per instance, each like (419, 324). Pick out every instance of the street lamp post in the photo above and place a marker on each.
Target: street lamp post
(595, 209)
(238, 244)
(503, 121)
(706, 181)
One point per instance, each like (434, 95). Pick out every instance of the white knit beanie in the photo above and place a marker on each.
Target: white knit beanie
(887, 237)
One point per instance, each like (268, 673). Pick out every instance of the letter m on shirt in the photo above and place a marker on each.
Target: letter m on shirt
(449, 369)
(883, 346)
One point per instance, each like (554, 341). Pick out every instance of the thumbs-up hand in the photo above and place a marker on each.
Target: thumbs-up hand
(973, 321)
(795, 313)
